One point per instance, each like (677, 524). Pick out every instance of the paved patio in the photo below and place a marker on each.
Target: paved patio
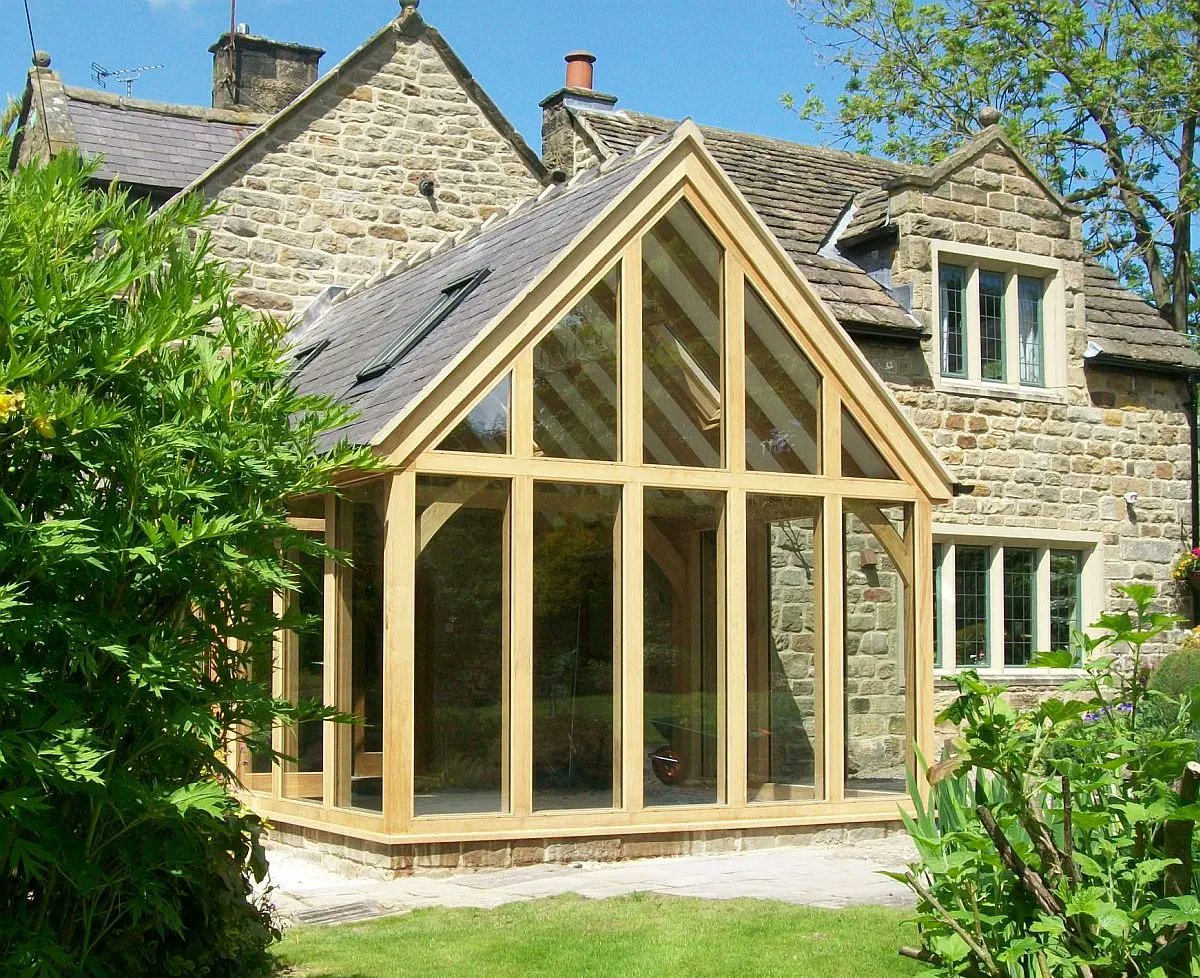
(821, 876)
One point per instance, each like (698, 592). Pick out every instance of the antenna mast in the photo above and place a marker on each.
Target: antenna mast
(126, 76)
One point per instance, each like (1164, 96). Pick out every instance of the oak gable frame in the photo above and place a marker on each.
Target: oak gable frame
(752, 258)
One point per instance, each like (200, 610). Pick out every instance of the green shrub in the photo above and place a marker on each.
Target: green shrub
(1178, 674)
(150, 439)
(1058, 840)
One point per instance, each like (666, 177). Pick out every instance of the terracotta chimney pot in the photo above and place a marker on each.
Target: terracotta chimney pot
(579, 69)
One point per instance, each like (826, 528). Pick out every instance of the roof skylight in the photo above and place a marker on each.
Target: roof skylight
(447, 301)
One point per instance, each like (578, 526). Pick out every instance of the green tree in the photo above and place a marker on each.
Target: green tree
(148, 441)
(1103, 95)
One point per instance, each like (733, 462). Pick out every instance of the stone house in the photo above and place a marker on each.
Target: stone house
(961, 435)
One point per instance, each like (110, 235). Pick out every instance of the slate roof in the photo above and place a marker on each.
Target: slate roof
(800, 192)
(1126, 328)
(803, 192)
(152, 144)
(517, 247)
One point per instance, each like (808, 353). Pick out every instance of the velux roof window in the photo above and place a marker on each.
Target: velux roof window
(307, 354)
(447, 301)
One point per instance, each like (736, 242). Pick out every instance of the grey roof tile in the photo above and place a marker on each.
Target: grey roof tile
(151, 147)
(1126, 327)
(517, 249)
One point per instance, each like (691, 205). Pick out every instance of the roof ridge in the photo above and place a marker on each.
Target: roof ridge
(790, 144)
(176, 109)
(497, 219)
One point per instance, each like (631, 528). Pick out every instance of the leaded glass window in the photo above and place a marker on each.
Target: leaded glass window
(954, 328)
(1030, 301)
(1065, 571)
(1020, 568)
(991, 325)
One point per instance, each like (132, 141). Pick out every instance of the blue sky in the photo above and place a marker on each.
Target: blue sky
(722, 62)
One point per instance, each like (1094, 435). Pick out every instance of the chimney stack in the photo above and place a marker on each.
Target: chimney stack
(559, 139)
(257, 74)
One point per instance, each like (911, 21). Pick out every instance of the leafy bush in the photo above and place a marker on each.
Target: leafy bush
(150, 439)
(1058, 840)
(1178, 674)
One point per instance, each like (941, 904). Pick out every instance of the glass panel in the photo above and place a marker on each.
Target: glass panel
(255, 754)
(681, 341)
(575, 400)
(860, 458)
(683, 647)
(1030, 292)
(364, 511)
(783, 647)
(461, 681)
(305, 677)
(991, 325)
(485, 429)
(971, 605)
(939, 554)
(952, 283)
(1066, 568)
(576, 616)
(1020, 581)
(876, 636)
(783, 394)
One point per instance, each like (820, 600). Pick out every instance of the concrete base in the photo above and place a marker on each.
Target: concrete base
(353, 857)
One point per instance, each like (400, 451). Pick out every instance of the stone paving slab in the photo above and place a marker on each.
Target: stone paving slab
(833, 876)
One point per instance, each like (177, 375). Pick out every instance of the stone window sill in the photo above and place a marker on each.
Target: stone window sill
(1016, 677)
(1009, 392)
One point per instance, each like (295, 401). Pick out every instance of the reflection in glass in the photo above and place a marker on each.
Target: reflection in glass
(782, 646)
(255, 766)
(971, 569)
(364, 511)
(575, 400)
(1066, 566)
(461, 629)
(681, 341)
(683, 677)
(1020, 584)
(877, 566)
(485, 429)
(305, 647)
(575, 679)
(783, 394)
(860, 458)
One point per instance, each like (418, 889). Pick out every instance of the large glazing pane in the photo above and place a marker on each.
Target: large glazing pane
(576, 615)
(682, 612)
(860, 458)
(952, 287)
(461, 655)
(1066, 569)
(971, 605)
(1030, 293)
(991, 325)
(682, 342)
(576, 397)
(485, 429)
(876, 636)
(783, 396)
(364, 511)
(304, 649)
(1020, 618)
(782, 647)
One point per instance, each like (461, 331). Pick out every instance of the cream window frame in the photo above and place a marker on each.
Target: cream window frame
(996, 539)
(1013, 265)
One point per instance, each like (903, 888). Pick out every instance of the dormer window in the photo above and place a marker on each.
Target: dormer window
(995, 324)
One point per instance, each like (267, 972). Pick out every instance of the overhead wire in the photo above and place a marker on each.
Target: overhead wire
(41, 95)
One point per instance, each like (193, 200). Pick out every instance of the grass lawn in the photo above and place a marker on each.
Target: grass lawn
(632, 936)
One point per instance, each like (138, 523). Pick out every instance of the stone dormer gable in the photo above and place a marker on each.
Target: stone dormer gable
(393, 150)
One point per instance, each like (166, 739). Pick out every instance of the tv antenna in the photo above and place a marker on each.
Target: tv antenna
(126, 76)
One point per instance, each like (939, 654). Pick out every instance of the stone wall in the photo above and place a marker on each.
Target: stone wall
(1062, 459)
(331, 193)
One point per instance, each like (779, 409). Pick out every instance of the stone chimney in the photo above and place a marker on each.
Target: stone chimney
(256, 74)
(560, 141)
